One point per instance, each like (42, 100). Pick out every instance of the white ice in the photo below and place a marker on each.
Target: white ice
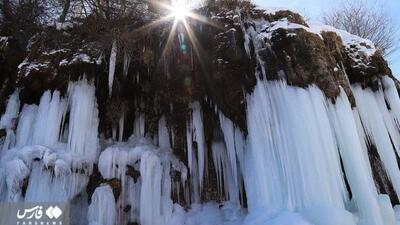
(102, 210)
(111, 70)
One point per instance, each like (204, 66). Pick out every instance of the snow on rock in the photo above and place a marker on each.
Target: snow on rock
(64, 25)
(358, 49)
(363, 46)
(80, 58)
(29, 67)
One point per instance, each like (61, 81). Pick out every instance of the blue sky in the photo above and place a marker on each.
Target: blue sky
(313, 9)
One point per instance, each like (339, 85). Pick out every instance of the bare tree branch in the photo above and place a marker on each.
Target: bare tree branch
(372, 23)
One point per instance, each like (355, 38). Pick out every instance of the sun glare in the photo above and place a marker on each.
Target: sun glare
(180, 10)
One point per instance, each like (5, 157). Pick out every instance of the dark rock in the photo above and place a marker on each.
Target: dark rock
(306, 60)
(289, 15)
(130, 171)
(3, 133)
(127, 208)
(382, 181)
(11, 55)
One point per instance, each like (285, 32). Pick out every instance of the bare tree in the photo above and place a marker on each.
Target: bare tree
(369, 22)
(66, 5)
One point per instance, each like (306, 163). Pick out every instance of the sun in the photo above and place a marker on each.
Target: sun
(179, 10)
(183, 15)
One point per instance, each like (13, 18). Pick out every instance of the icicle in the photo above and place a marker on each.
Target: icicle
(114, 162)
(234, 141)
(390, 121)
(392, 98)
(83, 120)
(127, 62)
(7, 120)
(111, 70)
(54, 117)
(25, 125)
(150, 195)
(163, 135)
(61, 186)
(139, 125)
(292, 160)
(9, 141)
(374, 124)
(223, 168)
(121, 127)
(114, 132)
(355, 163)
(189, 142)
(198, 131)
(102, 210)
(48, 119)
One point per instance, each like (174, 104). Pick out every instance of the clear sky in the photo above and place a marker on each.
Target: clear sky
(313, 9)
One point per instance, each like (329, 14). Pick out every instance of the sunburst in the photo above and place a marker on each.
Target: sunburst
(180, 12)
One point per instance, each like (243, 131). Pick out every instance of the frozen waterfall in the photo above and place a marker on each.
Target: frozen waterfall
(304, 159)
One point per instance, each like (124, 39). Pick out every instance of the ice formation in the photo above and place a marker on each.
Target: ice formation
(163, 135)
(102, 210)
(291, 167)
(195, 133)
(111, 69)
(379, 129)
(8, 120)
(303, 159)
(292, 160)
(149, 197)
(57, 168)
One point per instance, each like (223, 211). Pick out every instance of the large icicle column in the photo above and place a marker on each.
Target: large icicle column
(293, 163)
(196, 162)
(380, 129)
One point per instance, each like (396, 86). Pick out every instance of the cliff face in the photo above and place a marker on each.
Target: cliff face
(140, 71)
(276, 45)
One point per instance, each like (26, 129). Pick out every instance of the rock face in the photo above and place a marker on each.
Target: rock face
(217, 69)
(11, 55)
